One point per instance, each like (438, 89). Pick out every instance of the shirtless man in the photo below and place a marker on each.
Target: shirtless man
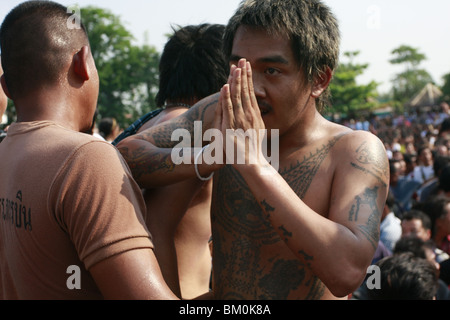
(310, 229)
(192, 67)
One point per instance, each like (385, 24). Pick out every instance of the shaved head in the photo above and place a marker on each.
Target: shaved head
(37, 45)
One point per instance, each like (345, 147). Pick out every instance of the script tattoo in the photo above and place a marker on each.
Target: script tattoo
(371, 229)
(376, 159)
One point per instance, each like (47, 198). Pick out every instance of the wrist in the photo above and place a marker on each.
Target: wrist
(261, 167)
(204, 170)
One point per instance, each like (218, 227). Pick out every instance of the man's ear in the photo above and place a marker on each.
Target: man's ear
(321, 82)
(5, 88)
(80, 63)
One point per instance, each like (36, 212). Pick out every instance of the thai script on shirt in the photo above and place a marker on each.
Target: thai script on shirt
(16, 212)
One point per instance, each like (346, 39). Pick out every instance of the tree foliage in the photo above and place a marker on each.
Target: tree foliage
(446, 87)
(128, 73)
(409, 82)
(349, 97)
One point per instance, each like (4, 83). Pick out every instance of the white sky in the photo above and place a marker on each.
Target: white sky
(373, 27)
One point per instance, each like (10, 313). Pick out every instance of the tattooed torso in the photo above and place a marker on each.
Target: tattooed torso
(251, 261)
(250, 257)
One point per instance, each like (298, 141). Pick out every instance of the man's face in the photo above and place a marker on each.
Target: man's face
(280, 86)
(443, 222)
(414, 228)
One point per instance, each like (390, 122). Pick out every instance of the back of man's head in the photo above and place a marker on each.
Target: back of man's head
(36, 44)
(192, 64)
(406, 277)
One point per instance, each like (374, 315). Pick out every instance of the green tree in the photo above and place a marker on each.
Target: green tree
(349, 97)
(446, 87)
(409, 82)
(128, 73)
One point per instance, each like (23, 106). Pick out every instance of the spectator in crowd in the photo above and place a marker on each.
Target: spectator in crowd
(425, 250)
(424, 170)
(109, 129)
(444, 181)
(438, 209)
(444, 131)
(402, 188)
(410, 163)
(406, 277)
(445, 272)
(418, 224)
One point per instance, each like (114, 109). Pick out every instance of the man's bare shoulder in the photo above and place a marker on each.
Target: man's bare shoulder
(365, 152)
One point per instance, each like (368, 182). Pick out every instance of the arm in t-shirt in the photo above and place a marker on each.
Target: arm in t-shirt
(132, 275)
(102, 210)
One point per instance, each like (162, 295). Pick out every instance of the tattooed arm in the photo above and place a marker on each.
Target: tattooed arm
(149, 154)
(338, 246)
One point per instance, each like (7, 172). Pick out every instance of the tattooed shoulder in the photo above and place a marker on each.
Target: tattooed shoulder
(371, 158)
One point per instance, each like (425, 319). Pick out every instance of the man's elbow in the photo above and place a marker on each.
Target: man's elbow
(345, 281)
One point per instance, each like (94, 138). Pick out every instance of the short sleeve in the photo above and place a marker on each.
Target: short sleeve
(99, 205)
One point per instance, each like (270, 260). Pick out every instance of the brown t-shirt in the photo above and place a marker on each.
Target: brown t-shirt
(67, 202)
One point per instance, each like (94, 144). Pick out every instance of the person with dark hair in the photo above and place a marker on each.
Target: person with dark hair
(406, 277)
(425, 250)
(72, 216)
(192, 67)
(402, 188)
(424, 170)
(419, 247)
(438, 209)
(444, 129)
(417, 223)
(279, 224)
(109, 129)
(444, 181)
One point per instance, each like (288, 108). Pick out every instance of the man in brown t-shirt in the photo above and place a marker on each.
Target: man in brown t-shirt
(71, 216)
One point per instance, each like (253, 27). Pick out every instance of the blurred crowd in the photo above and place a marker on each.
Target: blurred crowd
(416, 218)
